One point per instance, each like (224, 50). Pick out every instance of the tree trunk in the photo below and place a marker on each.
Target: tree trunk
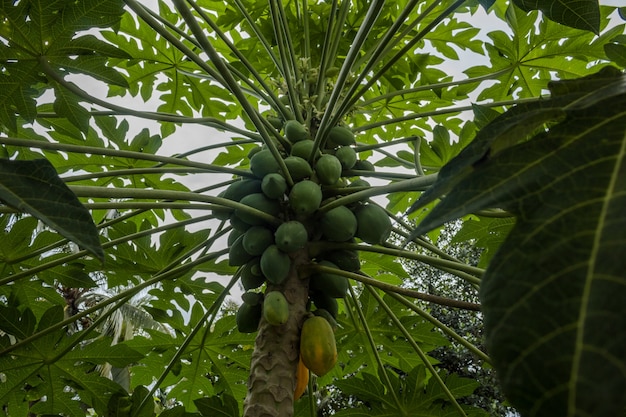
(276, 353)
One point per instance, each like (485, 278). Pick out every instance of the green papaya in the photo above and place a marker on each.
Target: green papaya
(251, 275)
(331, 72)
(233, 235)
(263, 163)
(328, 169)
(275, 265)
(241, 188)
(276, 122)
(238, 224)
(275, 308)
(364, 165)
(260, 202)
(252, 298)
(254, 150)
(373, 224)
(341, 136)
(274, 186)
(257, 239)
(220, 212)
(295, 131)
(346, 156)
(303, 149)
(248, 317)
(291, 236)
(324, 302)
(359, 183)
(347, 260)
(299, 168)
(332, 285)
(338, 224)
(237, 255)
(305, 197)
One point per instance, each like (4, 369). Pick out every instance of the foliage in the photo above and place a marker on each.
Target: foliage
(460, 122)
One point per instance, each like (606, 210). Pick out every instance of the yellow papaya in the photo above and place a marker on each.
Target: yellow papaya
(302, 380)
(318, 349)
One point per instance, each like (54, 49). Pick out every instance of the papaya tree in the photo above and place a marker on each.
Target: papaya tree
(287, 158)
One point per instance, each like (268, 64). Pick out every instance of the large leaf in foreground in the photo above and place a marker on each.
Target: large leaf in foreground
(34, 187)
(553, 296)
(580, 14)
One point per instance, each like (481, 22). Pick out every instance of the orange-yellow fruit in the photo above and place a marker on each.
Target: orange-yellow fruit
(302, 380)
(317, 345)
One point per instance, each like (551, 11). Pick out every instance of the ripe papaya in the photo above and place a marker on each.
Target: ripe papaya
(347, 156)
(251, 275)
(257, 239)
(318, 349)
(328, 169)
(303, 149)
(347, 260)
(263, 163)
(305, 197)
(275, 264)
(302, 380)
(341, 136)
(330, 284)
(275, 308)
(298, 167)
(237, 255)
(291, 236)
(373, 224)
(274, 186)
(324, 302)
(241, 188)
(295, 131)
(338, 224)
(260, 202)
(364, 165)
(248, 317)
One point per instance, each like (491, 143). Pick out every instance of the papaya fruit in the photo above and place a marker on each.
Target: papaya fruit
(257, 239)
(274, 186)
(248, 317)
(238, 224)
(241, 188)
(331, 72)
(276, 122)
(253, 150)
(305, 197)
(303, 149)
(275, 265)
(302, 380)
(260, 202)
(333, 285)
(291, 236)
(341, 136)
(364, 165)
(347, 156)
(298, 167)
(275, 308)
(237, 255)
(263, 163)
(251, 275)
(347, 260)
(233, 235)
(338, 224)
(295, 131)
(252, 298)
(373, 224)
(359, 183)
(320, 312)
(328, 169)
(324, 302)
(318, 348)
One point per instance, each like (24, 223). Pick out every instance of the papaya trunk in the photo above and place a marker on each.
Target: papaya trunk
(274, 362)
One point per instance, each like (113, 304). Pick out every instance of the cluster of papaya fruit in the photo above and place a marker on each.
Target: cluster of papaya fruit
(265, 250)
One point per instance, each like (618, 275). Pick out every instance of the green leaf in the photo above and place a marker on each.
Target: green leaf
(35, 188)
(224, 405)
(580, 14)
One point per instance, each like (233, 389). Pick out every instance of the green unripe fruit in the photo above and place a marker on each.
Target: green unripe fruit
(274, 186)
(341, 136)
(233, 235)
(263, 163)
(374, 225)
(238, 224)
(253, 151)
(241, 188)
(248, 318)
(303, 149)
(328, 169)
(331, 72)
(291, 236)
(359, 183)
(275, 265)
(237, 255)
(257, 239)
(347, 260)
(338, 224)
(222, 213)
(276, 122)
(324, 302)
(305, 197)
(298, 167)
(275, 308)
(251, 275)
(364, 165)
(332, 285)
(252, 298)
(260, 202)
(347, 156)
(295, 131)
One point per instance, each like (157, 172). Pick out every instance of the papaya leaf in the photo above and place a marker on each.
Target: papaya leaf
(552, 294)
(35, 188)
(581, 14)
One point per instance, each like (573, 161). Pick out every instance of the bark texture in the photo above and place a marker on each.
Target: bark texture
(276, 353)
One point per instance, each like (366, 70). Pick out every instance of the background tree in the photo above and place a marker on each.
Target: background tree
(533, 168)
